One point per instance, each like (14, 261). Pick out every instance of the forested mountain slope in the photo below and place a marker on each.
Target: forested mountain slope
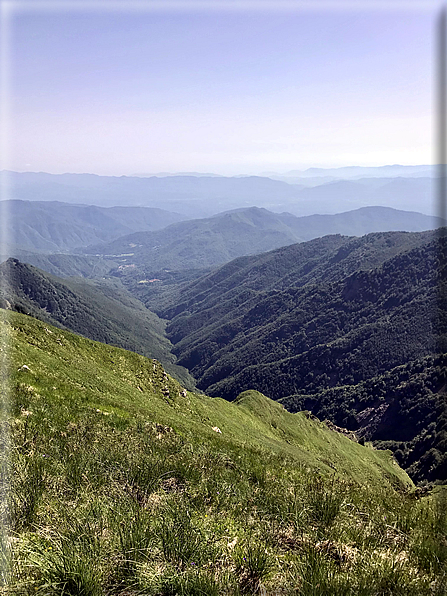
(203, 242)
(322, 334)
(404, 409)
(65, 265)
(321, 326)
(100, 310)
(339, 326)
(323, 259)
(53, 226)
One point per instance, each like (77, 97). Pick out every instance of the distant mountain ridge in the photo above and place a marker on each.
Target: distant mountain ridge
(51, 226)
(352, 172)
(189, 195)
(203, 196)
(213, 241)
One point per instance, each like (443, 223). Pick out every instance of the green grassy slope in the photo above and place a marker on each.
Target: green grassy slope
(120, 485)
(127, 384)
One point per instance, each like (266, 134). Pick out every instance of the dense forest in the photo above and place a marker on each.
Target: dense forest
(404, 410)
(319, 334)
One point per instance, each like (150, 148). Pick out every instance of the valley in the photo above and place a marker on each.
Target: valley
(223, 298)
(269, 382)
(306, 310)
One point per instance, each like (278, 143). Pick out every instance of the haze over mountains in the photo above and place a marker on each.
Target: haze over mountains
(313, 176)
(203, 196)
(53, 226)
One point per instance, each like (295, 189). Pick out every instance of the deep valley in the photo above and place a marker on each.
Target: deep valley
(222, 402)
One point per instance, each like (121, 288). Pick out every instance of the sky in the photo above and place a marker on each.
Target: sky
(246, 91)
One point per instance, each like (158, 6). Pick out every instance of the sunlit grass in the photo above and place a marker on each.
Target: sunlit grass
(121, 486)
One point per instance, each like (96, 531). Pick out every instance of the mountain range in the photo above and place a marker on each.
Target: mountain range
(48, 234)
(197, 197)
(213, 241)
(338, 325)
(234, 395)
(317, 312)
(53, 226)
(315, 175)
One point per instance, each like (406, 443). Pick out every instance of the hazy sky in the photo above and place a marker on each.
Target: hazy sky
(226, 91)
